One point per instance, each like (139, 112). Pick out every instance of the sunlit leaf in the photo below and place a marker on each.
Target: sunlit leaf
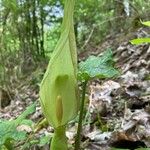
(146, 23)
(140, 41)
(118, 149)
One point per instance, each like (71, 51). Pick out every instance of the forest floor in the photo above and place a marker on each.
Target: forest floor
(118, 110)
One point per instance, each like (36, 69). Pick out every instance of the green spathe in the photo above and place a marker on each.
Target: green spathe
(58, 90)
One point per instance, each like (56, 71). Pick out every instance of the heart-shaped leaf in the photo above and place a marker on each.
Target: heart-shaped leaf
(98, 67)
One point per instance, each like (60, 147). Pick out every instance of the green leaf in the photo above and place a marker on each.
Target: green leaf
(27, 122)
(8, 131)
(98, 67)
(140, 41)
(45, 140)
(118, 149)
(146, 23)
(29, 110)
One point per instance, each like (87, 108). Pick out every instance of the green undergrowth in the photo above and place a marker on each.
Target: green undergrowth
(11, 138)
(8, 129)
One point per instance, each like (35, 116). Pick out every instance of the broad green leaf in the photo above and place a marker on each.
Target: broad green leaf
(8, 131)
(146, 23)
(98, 67)
(140, 41)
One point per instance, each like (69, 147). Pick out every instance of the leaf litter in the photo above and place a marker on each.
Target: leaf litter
(118, 110)
(121, 106)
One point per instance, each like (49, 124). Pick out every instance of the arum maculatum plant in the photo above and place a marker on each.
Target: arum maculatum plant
(59, 90)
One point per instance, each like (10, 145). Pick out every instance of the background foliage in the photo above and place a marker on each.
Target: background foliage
(29, 30)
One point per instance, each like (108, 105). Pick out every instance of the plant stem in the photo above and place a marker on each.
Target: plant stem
(78, 137)
(59, 140)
